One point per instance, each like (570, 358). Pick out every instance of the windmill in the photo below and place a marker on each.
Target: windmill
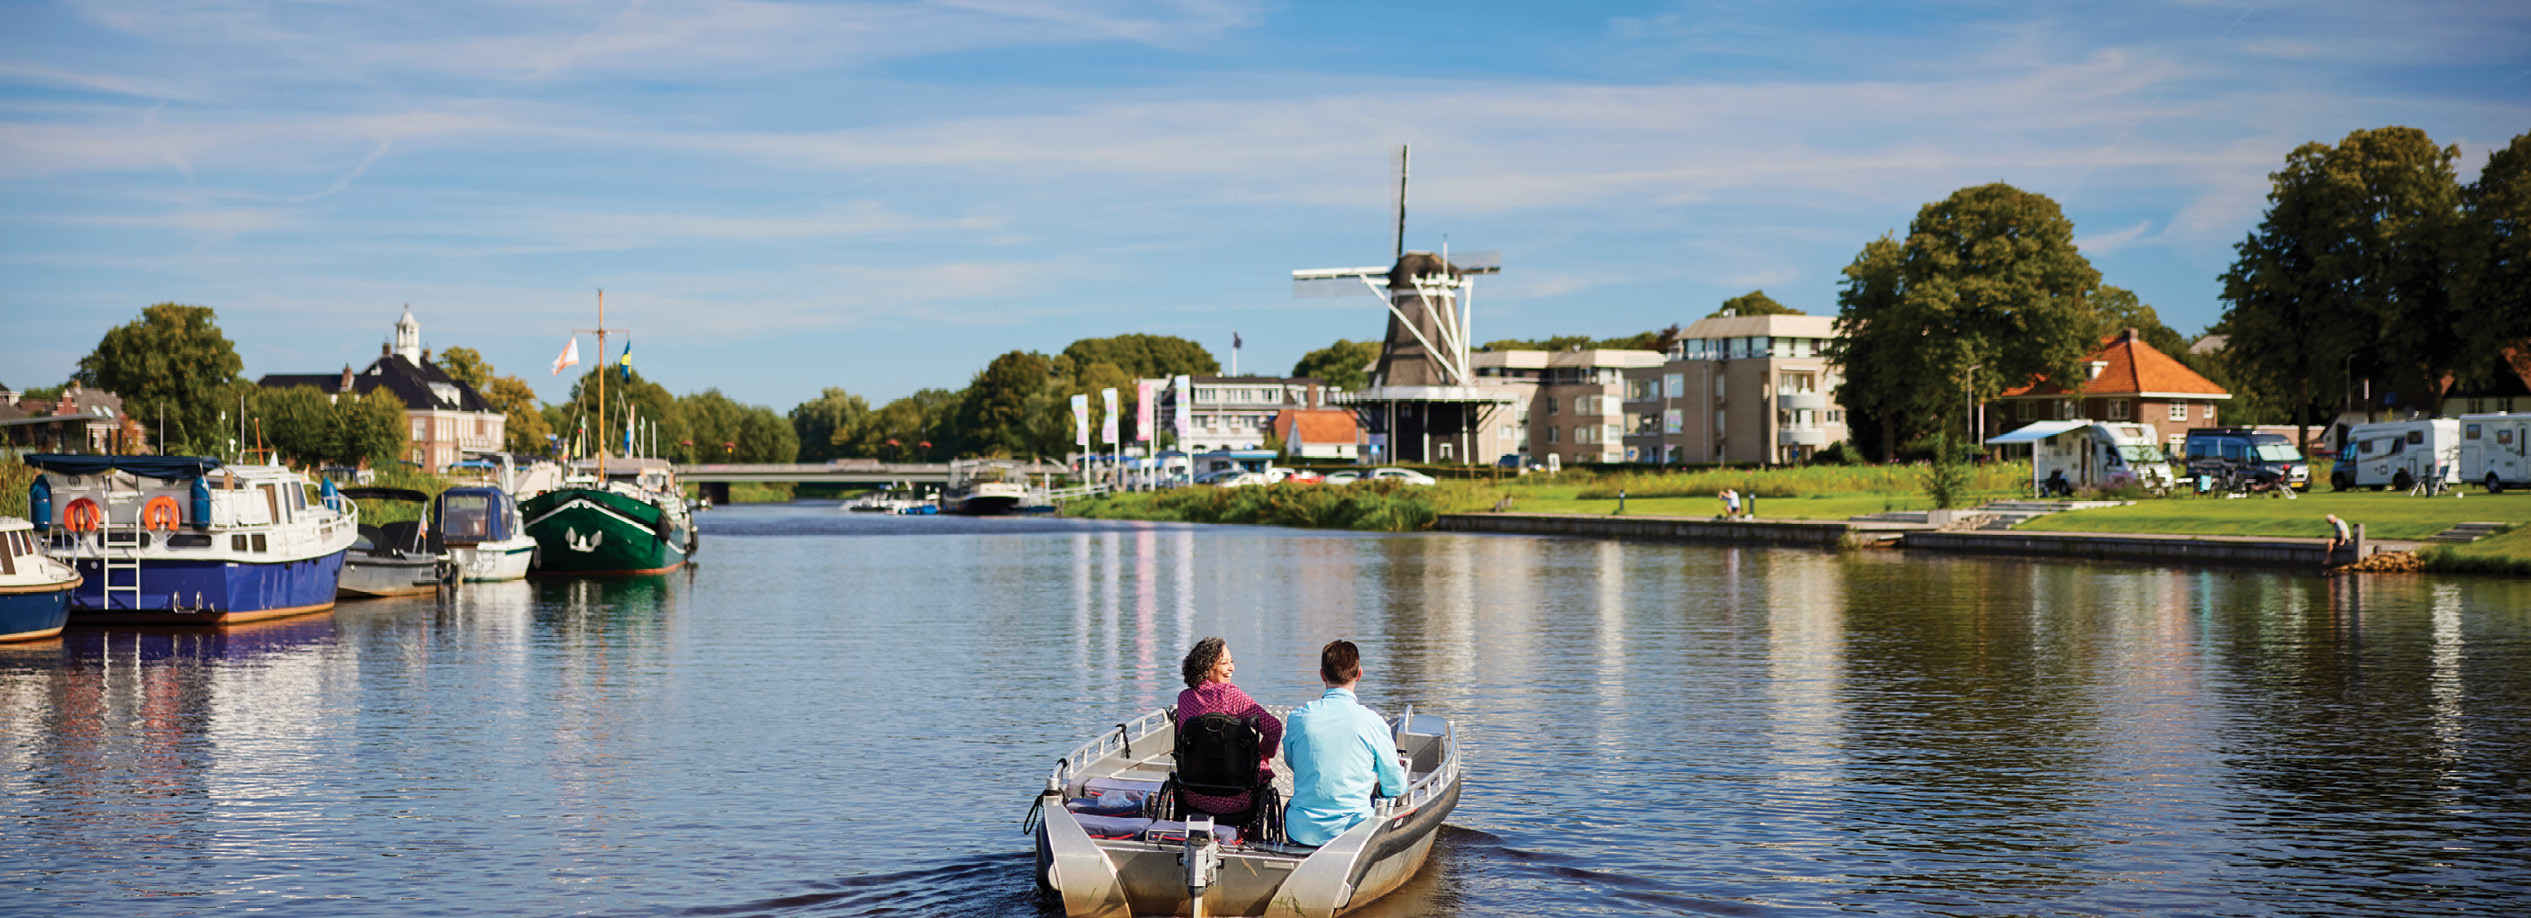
(1423, 385)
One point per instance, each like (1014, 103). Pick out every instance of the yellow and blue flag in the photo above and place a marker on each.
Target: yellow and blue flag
(627, 362)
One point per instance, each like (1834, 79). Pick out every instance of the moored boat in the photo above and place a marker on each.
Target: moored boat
(189, 540)
(632, 522)
(481, 530)
(34, 589)
(1101, 852)
(390, 559)
(983, 487)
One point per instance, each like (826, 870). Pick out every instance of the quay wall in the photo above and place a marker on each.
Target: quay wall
(2304, 553)
(1672, 528)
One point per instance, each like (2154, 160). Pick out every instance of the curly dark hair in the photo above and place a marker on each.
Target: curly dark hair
(1199, 662)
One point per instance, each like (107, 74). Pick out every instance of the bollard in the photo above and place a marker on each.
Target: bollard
(1621, 501)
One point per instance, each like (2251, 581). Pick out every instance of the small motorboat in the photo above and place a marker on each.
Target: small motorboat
(392, 559)
(480, 532)
(1101, 855)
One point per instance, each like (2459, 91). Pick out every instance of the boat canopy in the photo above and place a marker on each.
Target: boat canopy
(169, 468)
(474, 514)
(2036, 432)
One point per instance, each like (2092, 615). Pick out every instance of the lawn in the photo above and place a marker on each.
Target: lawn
(1826, 507)
(2385, 515)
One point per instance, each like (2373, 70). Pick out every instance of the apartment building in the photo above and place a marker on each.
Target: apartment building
(1567, 404)
(1234, 412)
(1738, 389)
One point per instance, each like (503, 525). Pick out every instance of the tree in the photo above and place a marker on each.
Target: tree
(464, 365)
(1343, 364)
(2495, 258)
(2348, 273)
(369, 430)
(296, 423)
(1754, 303)
(992, 417)
(2117, 309)
(648, 402)
(1639, 341)
(1145, 356)
(827, 424)
(905, 430)
(523, 428)
(172, 359)
(1989, 277)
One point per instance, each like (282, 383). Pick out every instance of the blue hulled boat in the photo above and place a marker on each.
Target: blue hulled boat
(189, 540)
(34, 589)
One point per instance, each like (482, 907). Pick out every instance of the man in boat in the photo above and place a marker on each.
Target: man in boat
(1340, 753)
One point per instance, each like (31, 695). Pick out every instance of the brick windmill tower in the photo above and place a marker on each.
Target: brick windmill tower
(1423, 403)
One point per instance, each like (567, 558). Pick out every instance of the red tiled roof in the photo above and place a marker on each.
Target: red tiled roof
(1316, 426)
(2132, 367)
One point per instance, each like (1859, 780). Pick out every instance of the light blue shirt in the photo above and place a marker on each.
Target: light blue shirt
(1339, 751)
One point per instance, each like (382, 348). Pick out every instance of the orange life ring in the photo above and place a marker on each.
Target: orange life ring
(82, 515)
(161, 514)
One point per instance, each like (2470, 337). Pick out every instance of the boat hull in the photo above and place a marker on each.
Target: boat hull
(493, 561)
(388, 575)
(209, 591)
(1106, 866)
(588, 531)
(33, 613)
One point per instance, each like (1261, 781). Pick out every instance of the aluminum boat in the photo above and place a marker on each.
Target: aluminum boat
(1100, 855)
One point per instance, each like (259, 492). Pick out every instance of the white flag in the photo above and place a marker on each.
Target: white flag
(1107, 422)
(1184, 417)
(1081, 421)
(570, 356)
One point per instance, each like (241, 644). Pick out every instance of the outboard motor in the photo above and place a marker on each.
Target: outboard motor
(39, 503)
(1202, 859)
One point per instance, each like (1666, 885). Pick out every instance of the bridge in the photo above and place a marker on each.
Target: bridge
(715, 478)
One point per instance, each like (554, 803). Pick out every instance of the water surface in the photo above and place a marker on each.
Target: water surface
(845, 714)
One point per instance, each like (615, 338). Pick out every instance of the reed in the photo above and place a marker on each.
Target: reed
(15, 476)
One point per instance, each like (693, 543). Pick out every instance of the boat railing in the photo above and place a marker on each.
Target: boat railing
(1120, 739)
(1433, 783)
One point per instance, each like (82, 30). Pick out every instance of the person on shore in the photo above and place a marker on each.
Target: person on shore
(1730, 504)
(2339, 537)
(1207, 671)
(1341, 754)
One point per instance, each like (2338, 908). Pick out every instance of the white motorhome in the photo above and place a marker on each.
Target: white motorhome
(2400, 454)
(2493, 450)
(2065, 455)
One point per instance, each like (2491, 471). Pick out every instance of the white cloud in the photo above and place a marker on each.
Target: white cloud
(2114, 240)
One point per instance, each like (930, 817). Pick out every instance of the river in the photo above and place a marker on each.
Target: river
(841, 714)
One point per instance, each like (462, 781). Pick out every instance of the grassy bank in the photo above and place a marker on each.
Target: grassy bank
(2384, 515)
(1382, 506)
(2506, 553)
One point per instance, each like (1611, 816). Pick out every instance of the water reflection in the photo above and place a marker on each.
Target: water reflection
(826, 718)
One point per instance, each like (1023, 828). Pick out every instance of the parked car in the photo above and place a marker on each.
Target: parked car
(1341, 478)
(1278, 474)
(1409, 476)
(1238, 479)
(2243, 454)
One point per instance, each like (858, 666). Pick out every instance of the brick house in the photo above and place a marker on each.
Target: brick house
(2126, 380)
(444, 418)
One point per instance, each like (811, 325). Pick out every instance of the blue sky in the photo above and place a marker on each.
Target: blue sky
(781, 197)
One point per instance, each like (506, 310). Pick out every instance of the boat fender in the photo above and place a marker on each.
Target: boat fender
(39, 503)
(202, 503)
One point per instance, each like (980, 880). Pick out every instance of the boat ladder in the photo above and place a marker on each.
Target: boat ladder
(118, 551)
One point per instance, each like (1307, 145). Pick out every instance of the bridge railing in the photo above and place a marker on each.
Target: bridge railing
(1057, 496)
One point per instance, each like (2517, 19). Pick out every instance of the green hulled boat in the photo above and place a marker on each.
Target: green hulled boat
(634, 522)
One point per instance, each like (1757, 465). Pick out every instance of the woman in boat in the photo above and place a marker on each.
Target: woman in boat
(1207, 671)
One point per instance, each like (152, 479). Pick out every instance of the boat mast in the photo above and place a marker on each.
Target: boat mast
(601, 387)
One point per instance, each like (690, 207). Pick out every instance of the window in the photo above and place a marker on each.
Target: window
(1718, 387)
(2210, 411)
(2065, 410)
(2023, 410)
(1677, 383)
(2118, 409)
(1670, 421)
(2179, 411)
(1717, 422)
(1551, 405)
(418, 426)
(2469, 431)
(1612, 432)
(2416, 437)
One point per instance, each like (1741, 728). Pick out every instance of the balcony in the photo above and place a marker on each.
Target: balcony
(1801, 401)
(1801, 436)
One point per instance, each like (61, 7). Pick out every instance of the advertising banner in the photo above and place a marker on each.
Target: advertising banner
(1081, 421)
(1184, 417)
(1143, 389)
(1107, 420)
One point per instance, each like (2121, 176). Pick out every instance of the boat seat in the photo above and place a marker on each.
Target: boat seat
(1112, 826)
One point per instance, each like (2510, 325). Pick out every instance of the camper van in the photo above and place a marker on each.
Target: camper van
(2399, 454)
(2065, 455)
(2242, 453)
(2493, 451)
